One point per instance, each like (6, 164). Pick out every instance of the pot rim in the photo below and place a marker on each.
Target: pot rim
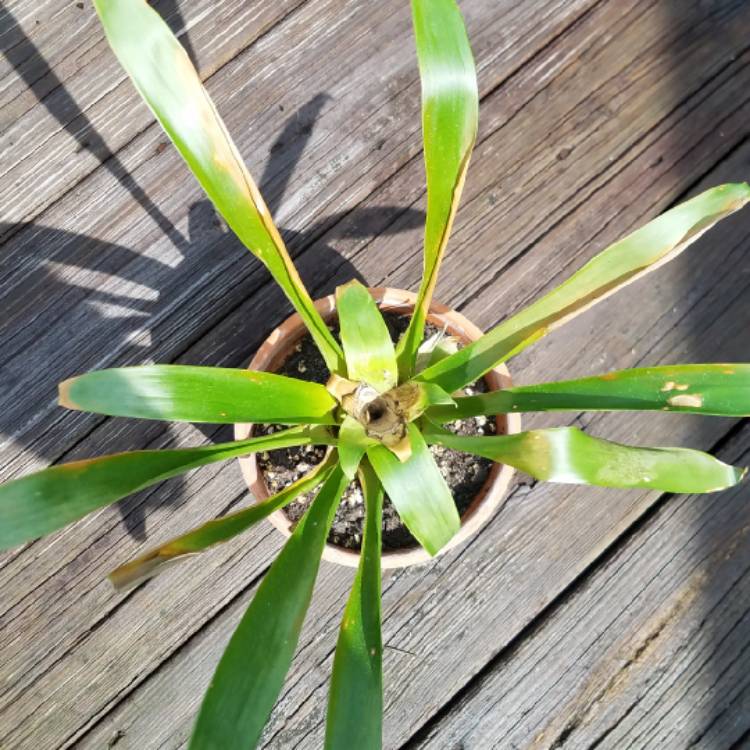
(486, 502)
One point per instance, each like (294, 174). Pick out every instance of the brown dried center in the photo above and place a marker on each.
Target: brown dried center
(375, 410)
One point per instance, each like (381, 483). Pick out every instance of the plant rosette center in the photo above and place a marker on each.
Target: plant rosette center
(384, 417)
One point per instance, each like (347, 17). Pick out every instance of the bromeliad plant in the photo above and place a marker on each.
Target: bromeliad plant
(384, 405)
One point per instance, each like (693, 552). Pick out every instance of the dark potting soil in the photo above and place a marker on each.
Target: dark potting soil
(464, 474)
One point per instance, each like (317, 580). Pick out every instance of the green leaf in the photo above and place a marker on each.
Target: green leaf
(450, 112)
(164, 76)
(251, 671)
(570, 456)
(352, 444)
(355, 703)
(417, 489)
(432, 395)
(216, 531)
(721, 389)
(434, 349)
(368, 349)
(47, 500)
(198, 394)
(637, 254)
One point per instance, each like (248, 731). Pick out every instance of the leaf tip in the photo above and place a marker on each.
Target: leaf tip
(349, 468)
(146, 566)
(433, 547)
(738, 195)
(63, 394)
(402, 449)
(353, 284)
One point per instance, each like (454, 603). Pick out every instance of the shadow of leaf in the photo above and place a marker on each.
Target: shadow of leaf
(120, 289)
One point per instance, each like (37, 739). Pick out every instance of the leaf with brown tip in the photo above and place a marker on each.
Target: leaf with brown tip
(166, 79)
(620, 264)
(450, 113)
(214, 532)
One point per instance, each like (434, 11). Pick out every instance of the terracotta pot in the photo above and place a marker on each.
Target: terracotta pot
(277, 347)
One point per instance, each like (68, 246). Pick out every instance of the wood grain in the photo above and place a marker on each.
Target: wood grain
(27, 589)
(82, 290)
(594, 82)
(66, 105)
(650, 650)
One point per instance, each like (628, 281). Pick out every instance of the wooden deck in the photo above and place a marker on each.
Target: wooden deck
(579, 618)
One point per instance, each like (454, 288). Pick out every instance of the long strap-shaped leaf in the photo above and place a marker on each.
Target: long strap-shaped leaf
(47, 500)
(199, 394)
(251, 671)
(417, 489)
(216, 531)
(163, 74)
(450, 111)
(355, 703)
(570, 456)
(368, 348)
(718, 389)
(637, 254)
(352, 443)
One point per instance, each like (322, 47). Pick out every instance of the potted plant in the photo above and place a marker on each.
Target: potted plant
(384, 407)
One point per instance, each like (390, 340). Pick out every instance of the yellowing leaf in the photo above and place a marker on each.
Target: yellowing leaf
(164, 76)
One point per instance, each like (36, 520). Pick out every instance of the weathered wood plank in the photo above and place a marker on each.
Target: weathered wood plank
(66, 106)
(336, 592)
(44, 561)
(649, 651)
(502, 568)
(621, 340)
(85, 291)
(553, 533)
(516, 567)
